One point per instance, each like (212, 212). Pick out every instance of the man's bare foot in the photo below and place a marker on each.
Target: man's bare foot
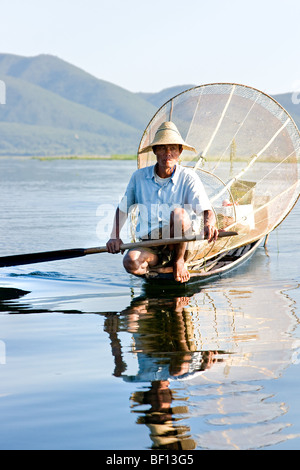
(180, 271)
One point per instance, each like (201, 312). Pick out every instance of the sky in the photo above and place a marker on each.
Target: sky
(151, 45)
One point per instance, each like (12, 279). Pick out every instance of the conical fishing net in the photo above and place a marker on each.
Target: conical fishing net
(248, 150)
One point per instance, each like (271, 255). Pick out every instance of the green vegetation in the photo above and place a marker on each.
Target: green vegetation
(87, 157)
(123, 157)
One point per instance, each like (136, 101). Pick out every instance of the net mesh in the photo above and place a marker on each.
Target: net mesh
(248, 150)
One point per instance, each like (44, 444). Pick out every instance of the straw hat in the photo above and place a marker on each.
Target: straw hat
(167, 134)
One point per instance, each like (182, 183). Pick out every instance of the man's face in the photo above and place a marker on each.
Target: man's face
(167, 155)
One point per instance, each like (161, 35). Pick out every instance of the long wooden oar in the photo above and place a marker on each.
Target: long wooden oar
(31, 258)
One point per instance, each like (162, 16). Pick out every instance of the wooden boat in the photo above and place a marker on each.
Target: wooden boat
(217, 265)
(248, 151)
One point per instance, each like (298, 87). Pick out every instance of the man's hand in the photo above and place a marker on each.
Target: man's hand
(210, 232)
(114, 245)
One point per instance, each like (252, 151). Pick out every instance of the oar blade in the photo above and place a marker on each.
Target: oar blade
(31, 258)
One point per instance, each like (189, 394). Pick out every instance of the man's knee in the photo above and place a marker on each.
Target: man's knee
(137, 261)
(130, 263)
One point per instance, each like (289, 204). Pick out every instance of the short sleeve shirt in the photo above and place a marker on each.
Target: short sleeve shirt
(155, 202)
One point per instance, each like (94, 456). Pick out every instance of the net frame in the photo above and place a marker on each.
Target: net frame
(211, 109)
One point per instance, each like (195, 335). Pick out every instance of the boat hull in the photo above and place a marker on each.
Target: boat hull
(217, 266)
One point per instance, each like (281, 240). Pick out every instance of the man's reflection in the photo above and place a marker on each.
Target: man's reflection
(164, 343)
(163, 419)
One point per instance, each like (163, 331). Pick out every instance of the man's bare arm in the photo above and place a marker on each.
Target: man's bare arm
(114, 243)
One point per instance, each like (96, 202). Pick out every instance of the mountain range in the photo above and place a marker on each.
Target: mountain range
(55, 108)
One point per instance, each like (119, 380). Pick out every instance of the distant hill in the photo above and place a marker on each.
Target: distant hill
(49, 94)
(53, 108)
(28, 104)
(158, 99)
(286, 100)
(75, 85)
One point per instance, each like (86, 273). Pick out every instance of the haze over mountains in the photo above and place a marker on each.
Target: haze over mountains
(55, 108)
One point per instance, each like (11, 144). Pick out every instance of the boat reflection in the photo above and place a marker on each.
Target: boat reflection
(199, 364)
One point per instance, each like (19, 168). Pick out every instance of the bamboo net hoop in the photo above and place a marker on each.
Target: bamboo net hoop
(248, 150)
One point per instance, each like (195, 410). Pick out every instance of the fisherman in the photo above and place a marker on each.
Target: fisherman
(167, 196)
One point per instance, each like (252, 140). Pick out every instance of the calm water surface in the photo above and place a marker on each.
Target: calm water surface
(92, 358)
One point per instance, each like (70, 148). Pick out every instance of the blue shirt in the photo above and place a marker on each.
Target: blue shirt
(155, 202)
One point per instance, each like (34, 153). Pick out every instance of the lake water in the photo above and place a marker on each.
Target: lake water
(93, 358)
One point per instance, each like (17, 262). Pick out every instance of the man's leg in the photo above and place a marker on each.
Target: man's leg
(180, 225)
(138, 261)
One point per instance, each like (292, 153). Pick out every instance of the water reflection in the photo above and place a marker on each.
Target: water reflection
(202, 364)
(162, 340)
(199, 362)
